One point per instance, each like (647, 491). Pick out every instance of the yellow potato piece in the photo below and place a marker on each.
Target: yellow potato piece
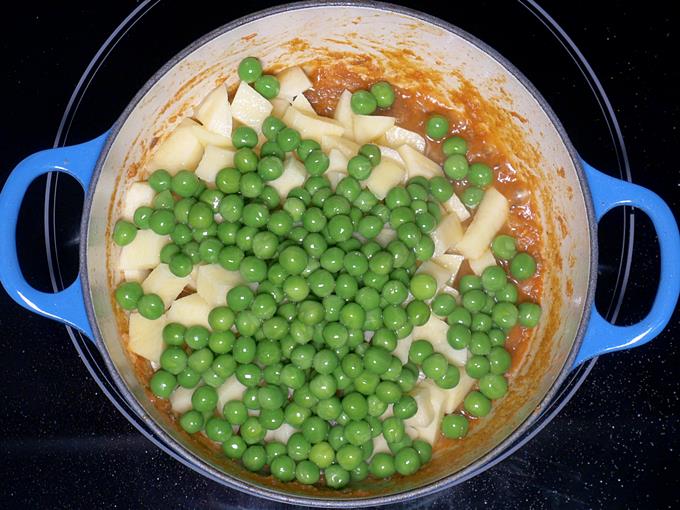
(144, 252)
(384, 177)
(343, 113)
(370, 127)
(292, 82)
(181, 150)
(418, 164)
(396, 136)
(490, 217)
(312, 126)
(294, 174)
(349, 148)
(213, 282)
(139, 194)
(249, 107)
(478, 265)
(214, 159)
(166, 285)
(215, 112)
(447, 234)
(146, 336)
(190, 310)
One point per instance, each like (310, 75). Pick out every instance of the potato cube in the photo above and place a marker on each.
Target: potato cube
(292, 82)
(214, 159)
(371, 127)
(190, 310)
(249, 107)
(146, 336)
(490, 217)
(139, 194)
(166, 285)
(417, 163)
(144, 252)
(384, 177)
(213, 283)
(215, 112)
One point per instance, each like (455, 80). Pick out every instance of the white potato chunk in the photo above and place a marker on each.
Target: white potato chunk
(215, 112)
(302, 103)
(439, 273)
(371, 127)
(344, 114)
(386, 236)
(213, 282)
(282, 434)
(426, 407)
(451, 262)
(390, 153)
(292, 82)
(384, 177)
(192, 278)
(434, 331)
(337, 162)
(135, 275)
(349, 148)
(396, 137)
(231, 389)
(180, 400)
(249, 107)
(418, 164)
(334, 178)
(139, 194)
(454, 205)
(208, 137)
(214, 159)
(294, 174)
(490, 217)
(146, 336)
(479, 264)
(190, 310)
(447, 234)
(181, 150)
(166, 285)
(279, 107)
(380, 446)
(312, 126)
(144, 252)
(403, 346)
(456, 395)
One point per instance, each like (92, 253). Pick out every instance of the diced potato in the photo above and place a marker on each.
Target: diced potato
(390, 153)
(214, 159)
(312, 126)
(490, 217)
(193, 277)
(166, 285)
(439, 273)
(231, 389)
(334, 178)
(337, 162)
(418, 164)
(139, 194)
(403, 346)
(294, 174)
(386, 236)
(447, 234)
(146, 336)
(451, 262)
(190, 310)
(434, 331)
(349, 148)
(380, 445)
(279, 107)
(396, 137)
(208, 137)
(181, 150)
(371, 127)
(292, 82)
(384, 177)
(180, 400)
(135, 275)
(478, 265)
(344, 114)
(282, 434)
(215, 112)
(426, 406)
(454, 205)
(213, 282)
(431, 432)
(302, 103)
(144, 252)
(249, 107)
(456, 395)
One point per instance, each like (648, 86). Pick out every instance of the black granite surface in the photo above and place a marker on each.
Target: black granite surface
(615, 444)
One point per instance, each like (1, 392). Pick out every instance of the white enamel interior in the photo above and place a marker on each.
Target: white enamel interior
(367, 29)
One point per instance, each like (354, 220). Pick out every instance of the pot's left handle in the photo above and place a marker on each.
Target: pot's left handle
(602, 337)
(67, 306)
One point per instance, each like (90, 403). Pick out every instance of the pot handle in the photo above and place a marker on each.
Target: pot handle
(601, 336)
(67, 306)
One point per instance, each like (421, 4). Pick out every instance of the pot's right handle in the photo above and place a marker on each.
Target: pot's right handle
(67, 306)
(601, 336)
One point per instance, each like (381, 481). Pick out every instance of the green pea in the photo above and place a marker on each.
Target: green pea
(372, 152)
(423, 286)
(437, 127)
(505, 315)
(150, 306)
(529, 314)
(382, 465)
(124, 232)
(434, 366)
(522, 266)
(454, 426)
(480, 175)
(504, 247)
(160, 180)
(164, 200)
(477, 404)
(418, 312)
(288, 139)
(336, 477)
(383, 94)
(456, 167)
(316, 162)
(128, 295)
(168, 251)
(477, 366)
(472, 196)
(252, 185)
(249, 69)
(405, 408)
(474, 300)
(270, 168)
(254, 458)
(162, 384)
(359, 167)
(363, 102)
(268, 86)
(191, 421)
(407, 461)
(283, 468)
(454, 145)
(419, 351)
(388, 392)
(409, 234)
(440, 188)
(458, 336)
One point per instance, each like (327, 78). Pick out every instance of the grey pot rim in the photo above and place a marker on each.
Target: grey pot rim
(200, 465)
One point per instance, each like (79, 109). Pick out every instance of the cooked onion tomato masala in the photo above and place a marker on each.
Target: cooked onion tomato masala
(321, 281)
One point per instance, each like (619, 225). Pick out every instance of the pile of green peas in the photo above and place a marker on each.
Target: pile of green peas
(366, 102)
(298, 341)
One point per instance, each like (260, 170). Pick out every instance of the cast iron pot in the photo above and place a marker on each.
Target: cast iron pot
(569, 194)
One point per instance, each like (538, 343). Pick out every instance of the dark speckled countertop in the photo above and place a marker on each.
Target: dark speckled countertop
(615, 445)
